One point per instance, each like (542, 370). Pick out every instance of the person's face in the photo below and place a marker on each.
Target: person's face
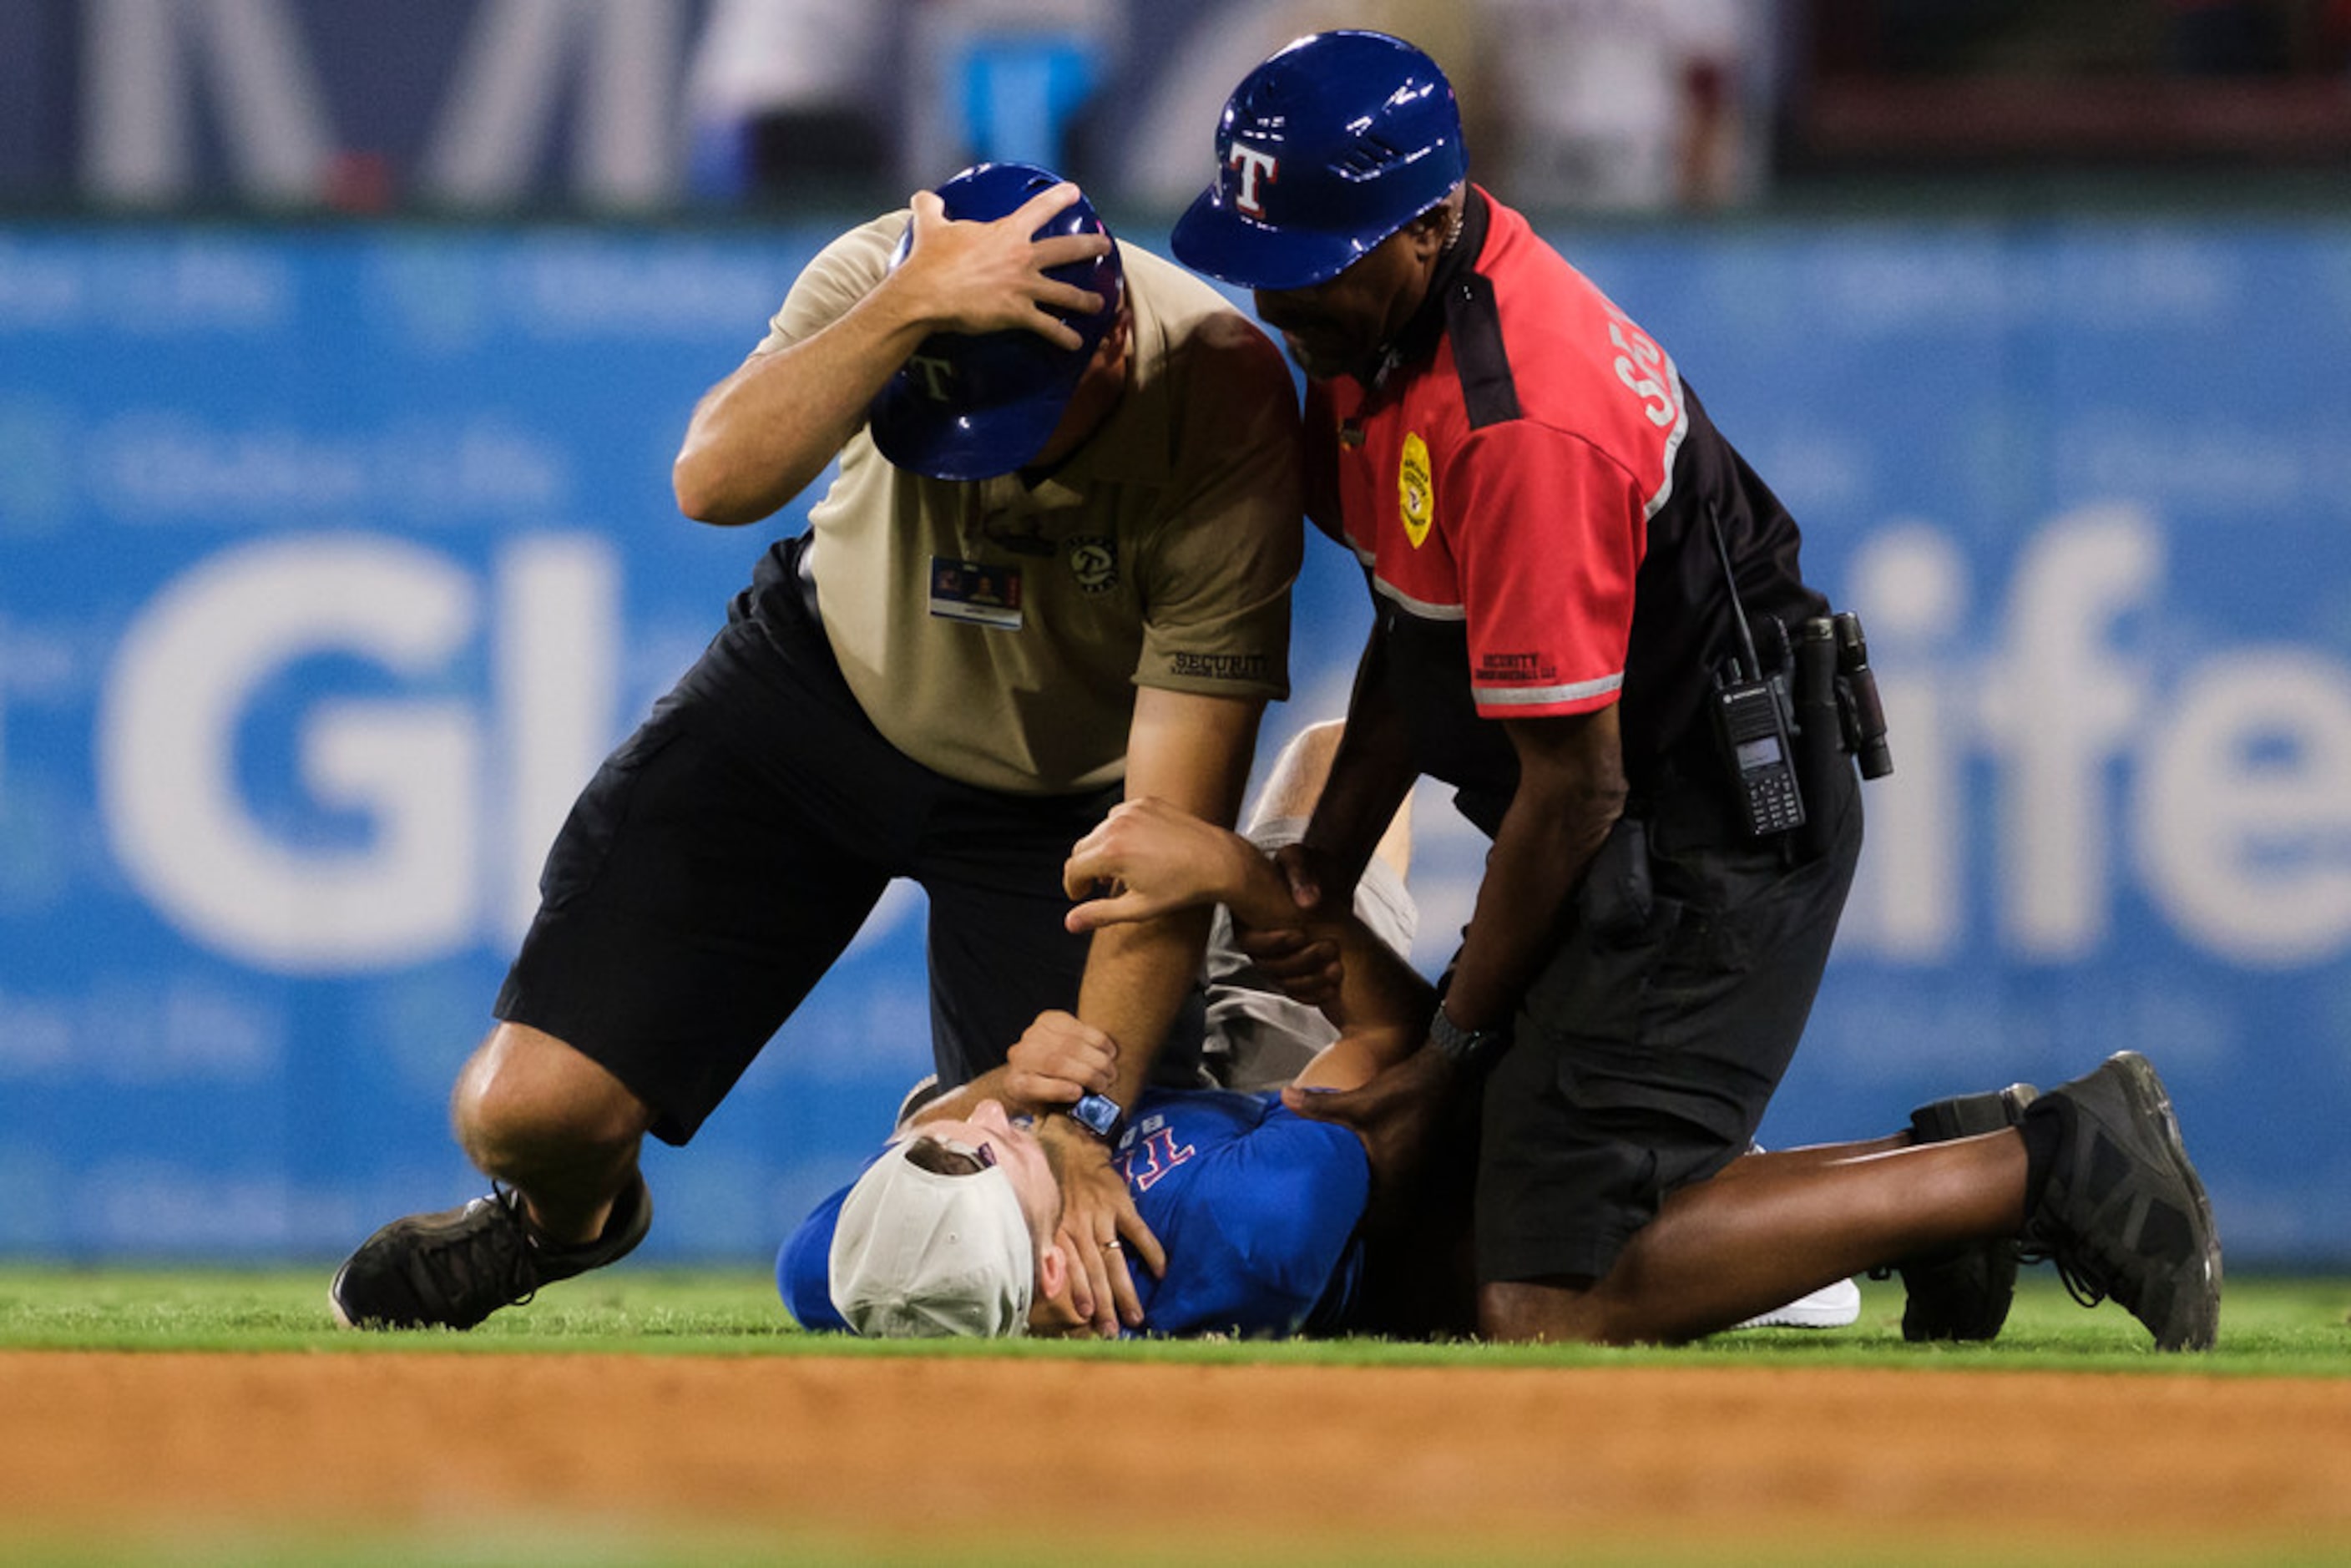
(1097, 392)
(1012, 1148)
(1337, 326)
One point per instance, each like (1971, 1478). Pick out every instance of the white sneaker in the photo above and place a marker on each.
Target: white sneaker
(1833, 1306)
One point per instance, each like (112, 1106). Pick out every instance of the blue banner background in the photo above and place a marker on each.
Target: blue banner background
(334, 557)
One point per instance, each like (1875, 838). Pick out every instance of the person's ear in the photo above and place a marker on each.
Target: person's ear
(1427, 232)
(1051, 1315)
(1112, 347)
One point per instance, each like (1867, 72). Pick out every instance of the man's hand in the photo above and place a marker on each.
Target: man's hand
(968, 277)
(1146, 859)
(1057, 1061)
(1099, 1227)
(1307, 969)
(1393, 1114)
(1312, 876)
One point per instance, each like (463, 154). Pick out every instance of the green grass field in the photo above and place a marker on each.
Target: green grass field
(2270, 1325)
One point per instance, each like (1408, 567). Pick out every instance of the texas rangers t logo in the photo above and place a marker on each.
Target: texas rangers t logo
(938, 372)
(1252, 162)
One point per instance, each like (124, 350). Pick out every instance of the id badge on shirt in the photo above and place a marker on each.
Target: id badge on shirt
(976, 591)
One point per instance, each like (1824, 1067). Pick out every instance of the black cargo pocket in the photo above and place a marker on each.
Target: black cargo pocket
(1620, 929)
(1771, 913)
(585, 843)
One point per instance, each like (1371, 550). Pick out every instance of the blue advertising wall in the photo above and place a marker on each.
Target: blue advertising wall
(332, 560)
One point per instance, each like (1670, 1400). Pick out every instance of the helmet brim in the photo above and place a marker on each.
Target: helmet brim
(1213, 237)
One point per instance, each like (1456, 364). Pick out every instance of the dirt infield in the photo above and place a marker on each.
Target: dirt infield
(1397, 1455)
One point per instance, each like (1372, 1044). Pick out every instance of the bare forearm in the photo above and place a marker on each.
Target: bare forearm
(1137, 978)
(1533, 867)
(758, 437)
(1377, 987)
(1191, 752)
(958, 1104)
(1570, 792)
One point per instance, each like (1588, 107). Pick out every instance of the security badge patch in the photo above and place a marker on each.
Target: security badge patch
(976, 591)
(982, 594)
(1415, 491)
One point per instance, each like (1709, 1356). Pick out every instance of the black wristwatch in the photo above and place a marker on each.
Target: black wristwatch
(1101, 1115)
(1462, 1046)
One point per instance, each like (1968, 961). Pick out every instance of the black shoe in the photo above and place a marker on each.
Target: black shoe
(1962, 1294)
(457, 1267)
(2123, 1213)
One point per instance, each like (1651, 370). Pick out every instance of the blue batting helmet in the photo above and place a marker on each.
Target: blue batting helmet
(1324, 150)
(971, 406)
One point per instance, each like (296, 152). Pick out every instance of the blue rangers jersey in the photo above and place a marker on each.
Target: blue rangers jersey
(1257, 1207)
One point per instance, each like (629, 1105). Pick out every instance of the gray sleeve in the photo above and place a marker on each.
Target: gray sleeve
(1258, 1037)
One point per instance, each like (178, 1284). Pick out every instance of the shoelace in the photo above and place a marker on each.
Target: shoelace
(2086, 1278)
(452, 1271)
(2079, 1284)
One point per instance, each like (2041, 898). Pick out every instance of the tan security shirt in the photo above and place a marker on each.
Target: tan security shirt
(996, 631)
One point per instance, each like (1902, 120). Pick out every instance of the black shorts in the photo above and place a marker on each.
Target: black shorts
(723, 857)
(1648, 1047)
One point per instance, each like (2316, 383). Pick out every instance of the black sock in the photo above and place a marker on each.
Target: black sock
(2043, 1130)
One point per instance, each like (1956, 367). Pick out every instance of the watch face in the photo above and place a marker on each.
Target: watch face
(1097, 1114)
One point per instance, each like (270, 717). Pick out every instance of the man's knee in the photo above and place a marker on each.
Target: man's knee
(1555, 1311)
(526, 1098)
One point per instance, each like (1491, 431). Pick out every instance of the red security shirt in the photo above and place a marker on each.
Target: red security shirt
(1532, 474)
(1530, 528)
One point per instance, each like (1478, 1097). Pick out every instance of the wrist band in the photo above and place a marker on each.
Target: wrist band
(1460, 1045)
(1101, 1115)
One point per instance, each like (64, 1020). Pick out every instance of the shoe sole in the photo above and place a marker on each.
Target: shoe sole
(343, 1318)
(335, 1302)
(2143, 1089)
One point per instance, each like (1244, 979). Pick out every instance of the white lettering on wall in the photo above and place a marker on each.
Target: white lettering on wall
(2058, 709)
(2244, 814)
(556, 669)
(411, 767)
(2225, 794)
(1914, 581)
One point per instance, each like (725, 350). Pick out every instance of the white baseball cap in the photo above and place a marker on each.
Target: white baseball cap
(921, 1254)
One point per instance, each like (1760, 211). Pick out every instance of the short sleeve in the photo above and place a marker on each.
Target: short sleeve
(1547, 572)
(841, 274)
(1266, 1223)
(1220, 561)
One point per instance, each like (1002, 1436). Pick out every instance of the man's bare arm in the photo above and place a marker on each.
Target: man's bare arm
(758, 437)
(1193, 751)
(1570, 791)
(1148, 857)
(1056, 1060)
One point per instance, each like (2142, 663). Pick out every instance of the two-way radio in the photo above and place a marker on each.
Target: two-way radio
(1752, 720)
(1781, 747)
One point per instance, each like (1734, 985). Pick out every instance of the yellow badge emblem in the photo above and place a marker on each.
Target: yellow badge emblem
(1416, 494)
